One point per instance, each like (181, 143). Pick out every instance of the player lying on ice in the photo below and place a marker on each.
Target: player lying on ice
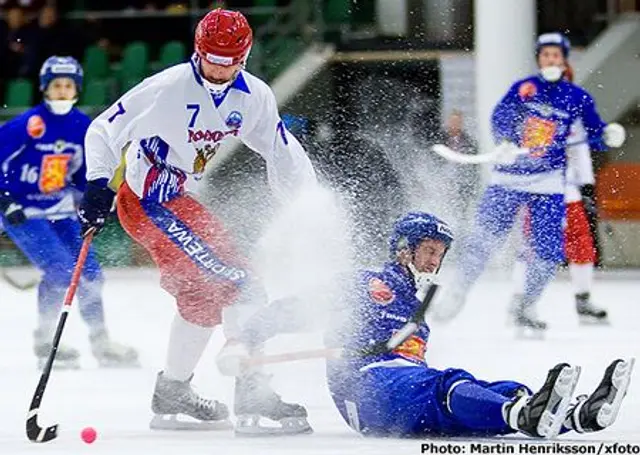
(398, 394)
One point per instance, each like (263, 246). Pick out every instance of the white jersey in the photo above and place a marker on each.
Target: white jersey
(579, 165)
(172, 126)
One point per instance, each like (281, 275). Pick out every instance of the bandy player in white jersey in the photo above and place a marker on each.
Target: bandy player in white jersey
(579, 246)
(171, 125)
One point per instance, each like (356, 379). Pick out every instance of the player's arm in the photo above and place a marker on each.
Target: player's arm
(506, 116)
(288, 166)
(599, 133)
(129, 118)
(13, 140)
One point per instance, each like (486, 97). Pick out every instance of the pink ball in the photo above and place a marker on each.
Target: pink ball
(89, 435)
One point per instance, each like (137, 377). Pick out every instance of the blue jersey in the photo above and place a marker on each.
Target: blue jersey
(384, 302)
(42, 158)
(538, 114)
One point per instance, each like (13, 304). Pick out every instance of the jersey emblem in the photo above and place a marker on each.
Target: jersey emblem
(527, 90)
(380, 292)
(234, 120)
(36, 127)
(538, 135)
(413, 348)
(53, 173)
(203, 156)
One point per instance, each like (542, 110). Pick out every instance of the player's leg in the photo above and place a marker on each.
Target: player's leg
(192, 271)
(90, 303)
(495, 217)
(547, 240)
(581, 255)
(39, 242)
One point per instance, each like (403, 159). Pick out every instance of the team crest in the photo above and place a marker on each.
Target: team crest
(413, 348)
(53, 174)
(203, 156)
(36, 127)
(380, 292)
(234, 120)
(527, 90)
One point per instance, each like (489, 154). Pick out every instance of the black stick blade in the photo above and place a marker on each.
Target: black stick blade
(36, 433)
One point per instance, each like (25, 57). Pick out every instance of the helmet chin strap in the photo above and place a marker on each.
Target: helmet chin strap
(422, 279)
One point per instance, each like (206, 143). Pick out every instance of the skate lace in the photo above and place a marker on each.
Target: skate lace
(203, 403)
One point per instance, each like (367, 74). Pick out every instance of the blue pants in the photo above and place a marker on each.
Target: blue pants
(53, 247)
(418, 401)
(496, 216)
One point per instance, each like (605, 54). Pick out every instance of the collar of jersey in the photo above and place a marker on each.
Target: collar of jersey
(239, 83)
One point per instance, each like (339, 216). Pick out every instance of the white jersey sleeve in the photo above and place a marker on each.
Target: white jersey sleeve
(579, 165)
(127, 119)
(288, 166)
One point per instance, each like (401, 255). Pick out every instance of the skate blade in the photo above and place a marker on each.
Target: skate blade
(115, 364)
(554, 415)
(171, 422)
(61, 364)
(620, 379)
(250, 426)
(528, 333)
(587, 320)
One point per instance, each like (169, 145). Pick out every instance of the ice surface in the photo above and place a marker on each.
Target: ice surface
(116, 402)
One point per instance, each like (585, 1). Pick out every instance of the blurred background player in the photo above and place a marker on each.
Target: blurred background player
(170, 127)
(536, 115)
(580, 250)
(42, 162)
(398, 394)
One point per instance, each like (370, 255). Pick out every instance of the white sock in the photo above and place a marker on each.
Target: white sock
(518, 276)
(187, 342)
(581, 277)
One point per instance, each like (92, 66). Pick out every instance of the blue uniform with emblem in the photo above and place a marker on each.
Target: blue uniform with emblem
(43, 168)
(536, 113)
(398, 393)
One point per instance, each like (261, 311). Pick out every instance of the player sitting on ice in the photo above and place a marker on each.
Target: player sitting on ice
(397, 394)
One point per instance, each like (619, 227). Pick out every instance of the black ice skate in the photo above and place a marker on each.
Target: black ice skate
(588, 313)
(67, 358)
(598, 411)
(177, 407)
(543, 414)
(525, 319)
(260, 411)
(111, 354)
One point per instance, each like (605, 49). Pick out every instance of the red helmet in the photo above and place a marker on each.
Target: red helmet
(223, 37)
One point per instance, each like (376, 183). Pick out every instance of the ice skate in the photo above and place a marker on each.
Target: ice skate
(526, 320)
(588, 313)
(67, 358)
(111, 354)
(543, 414)
(177, 407)
(599, 410)
(260, 411)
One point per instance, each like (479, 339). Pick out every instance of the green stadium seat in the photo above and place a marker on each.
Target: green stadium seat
(95, 93)
(95, 63)
(337, 11)
(135, 61)
(171, 54)
(19, 93)
(129, 83)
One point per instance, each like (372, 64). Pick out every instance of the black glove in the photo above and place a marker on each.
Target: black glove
(95, 206)
(12, 212)
(588, 199)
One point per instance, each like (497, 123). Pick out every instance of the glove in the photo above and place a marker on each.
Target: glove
(507, 153)
(587, 192)
(614, 135)
(12, 211)
(95, 206)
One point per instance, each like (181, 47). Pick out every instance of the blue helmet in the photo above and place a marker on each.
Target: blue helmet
(56, 66)
(414, 227)
(553, 39)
